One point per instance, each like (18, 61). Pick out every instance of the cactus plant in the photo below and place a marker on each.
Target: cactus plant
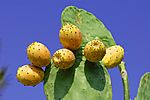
(82, 79)
(144, 88)
(85, 80)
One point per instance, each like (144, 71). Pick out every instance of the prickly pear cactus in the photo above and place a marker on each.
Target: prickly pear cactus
(144, 88)
(85, 80)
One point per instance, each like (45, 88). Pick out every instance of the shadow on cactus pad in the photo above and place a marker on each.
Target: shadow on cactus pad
(95, 74)
(64, 80)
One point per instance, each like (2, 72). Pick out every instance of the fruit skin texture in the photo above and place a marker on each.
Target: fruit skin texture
(113, 57)
(94, 50)
(38, 54)
(30, 75)
(63, 58)
(70, 37)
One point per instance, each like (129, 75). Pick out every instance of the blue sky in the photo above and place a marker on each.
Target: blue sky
(25, 21)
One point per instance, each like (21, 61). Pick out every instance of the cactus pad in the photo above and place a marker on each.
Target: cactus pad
(85, 80)
(144, 88)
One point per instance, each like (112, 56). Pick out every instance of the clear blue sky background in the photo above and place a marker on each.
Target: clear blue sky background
(25, 21)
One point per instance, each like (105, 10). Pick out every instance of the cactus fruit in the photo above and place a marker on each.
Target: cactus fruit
(70, 37)
(38, 54)
(113, 56)
(63, 58)
(30, 75)
(94, 50)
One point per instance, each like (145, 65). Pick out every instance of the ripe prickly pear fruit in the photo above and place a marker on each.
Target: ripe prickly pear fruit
(30, 75)
(94, 50)
(63, 58)
(113, 56)
(38, 54)
(70, 37)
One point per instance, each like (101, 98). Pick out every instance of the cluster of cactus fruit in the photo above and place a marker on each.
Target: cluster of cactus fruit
(71, 38)
(32, 74)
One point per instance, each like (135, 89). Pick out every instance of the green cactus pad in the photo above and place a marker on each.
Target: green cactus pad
(89, 25)
(144, 88)
(85, 80)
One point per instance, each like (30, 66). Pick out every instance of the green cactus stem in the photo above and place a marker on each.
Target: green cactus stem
(125, 82)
